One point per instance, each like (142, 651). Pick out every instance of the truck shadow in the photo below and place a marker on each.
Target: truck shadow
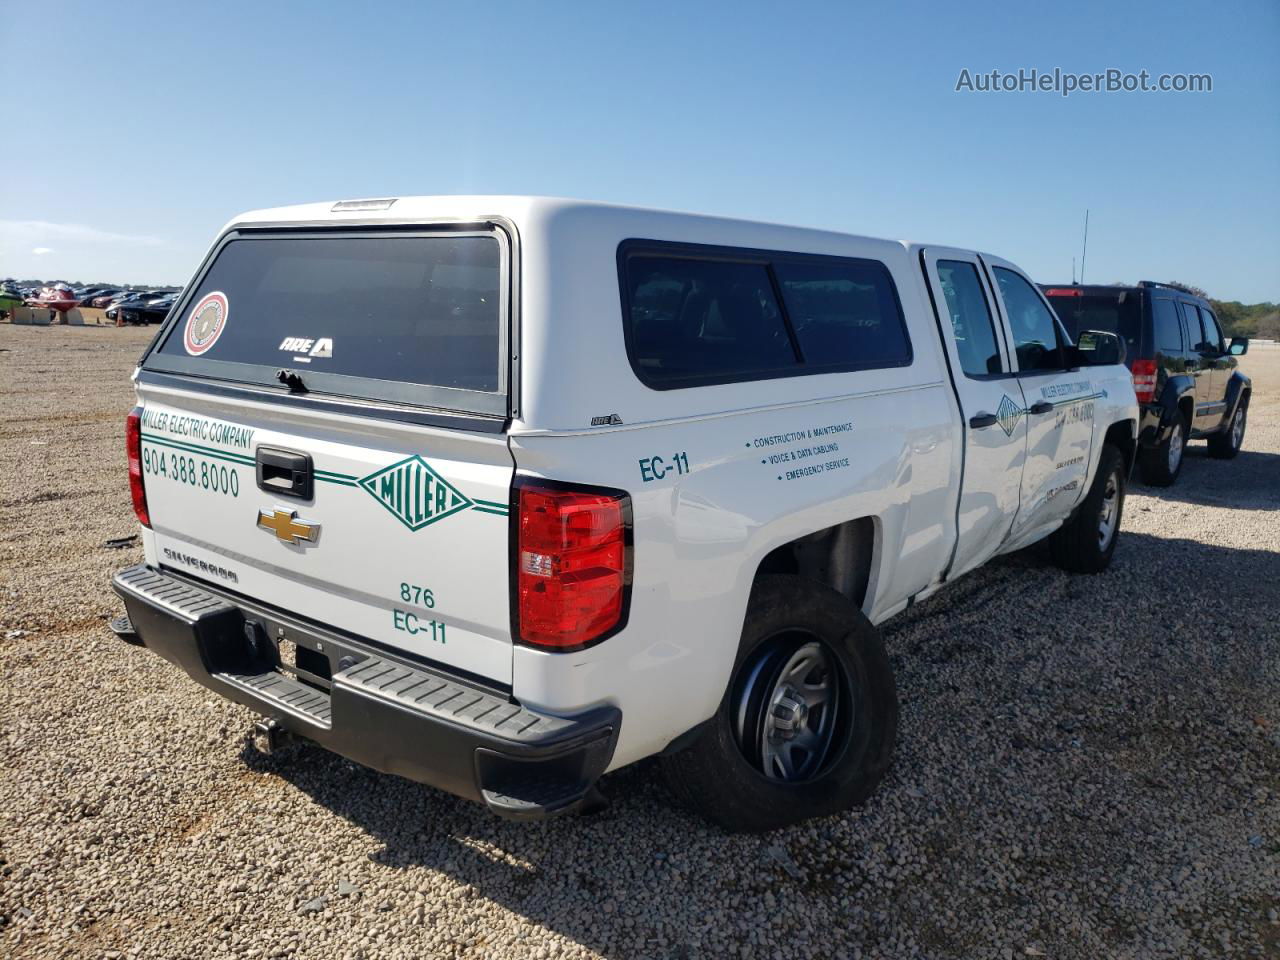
(582, 877)
(1174, 573)
(645, 878)
(1249, 482)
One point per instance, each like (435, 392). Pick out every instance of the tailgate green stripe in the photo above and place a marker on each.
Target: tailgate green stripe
(324, 476)
(196, 448)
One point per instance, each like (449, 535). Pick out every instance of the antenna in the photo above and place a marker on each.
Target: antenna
(1073, 271)
(1085, 249)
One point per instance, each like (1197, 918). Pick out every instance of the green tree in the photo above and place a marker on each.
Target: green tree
(1187, 288)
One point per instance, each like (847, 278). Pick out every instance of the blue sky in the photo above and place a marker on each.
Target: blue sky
(836, 115)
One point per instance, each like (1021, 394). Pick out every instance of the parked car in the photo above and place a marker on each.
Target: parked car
(104, 298)
(589, 484)
(122, 296)
(1185, 374)
(141, 308)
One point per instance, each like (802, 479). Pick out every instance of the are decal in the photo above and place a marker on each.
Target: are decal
(205, 323)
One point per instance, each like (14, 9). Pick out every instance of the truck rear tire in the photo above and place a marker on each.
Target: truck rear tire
(807, 725)
(1161, 464)
(1086, 542)
(1225, 444)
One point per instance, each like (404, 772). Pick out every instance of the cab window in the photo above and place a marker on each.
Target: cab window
(1194, 328)
(975, 334)
(1212, 333)
(1034, 327)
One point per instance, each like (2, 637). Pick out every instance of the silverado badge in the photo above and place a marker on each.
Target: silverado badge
(287, 527)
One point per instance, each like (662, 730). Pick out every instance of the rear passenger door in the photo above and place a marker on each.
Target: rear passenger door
(1170, 347)
(995, 432)
(1059, 401)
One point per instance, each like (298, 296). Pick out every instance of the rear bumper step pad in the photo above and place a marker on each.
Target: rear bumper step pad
(392, 716)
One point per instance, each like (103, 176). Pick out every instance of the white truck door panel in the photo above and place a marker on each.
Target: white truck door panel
(990, 399)
(1059, 401)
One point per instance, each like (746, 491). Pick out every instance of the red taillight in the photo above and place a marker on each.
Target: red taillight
(133, 447)
(1063, 292)
(1144, 380)
(573, 564)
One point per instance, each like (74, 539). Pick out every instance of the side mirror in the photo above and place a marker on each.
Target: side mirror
(1239, 346)
(1098, 348)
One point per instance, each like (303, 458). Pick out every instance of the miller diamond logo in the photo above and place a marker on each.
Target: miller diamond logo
(1008, 414)
(416, 494)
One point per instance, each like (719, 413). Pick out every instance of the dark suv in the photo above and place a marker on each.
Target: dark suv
(1184, 374)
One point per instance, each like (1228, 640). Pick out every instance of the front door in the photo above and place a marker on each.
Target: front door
(1059, 402)
(1221, 365)
(1200, 364)
(990, 404)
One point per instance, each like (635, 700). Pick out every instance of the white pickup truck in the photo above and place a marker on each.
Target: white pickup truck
(502, 493)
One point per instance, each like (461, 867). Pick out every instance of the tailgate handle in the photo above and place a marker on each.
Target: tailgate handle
(285, 473)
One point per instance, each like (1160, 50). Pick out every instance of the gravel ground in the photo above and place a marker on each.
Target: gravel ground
(1088, 767)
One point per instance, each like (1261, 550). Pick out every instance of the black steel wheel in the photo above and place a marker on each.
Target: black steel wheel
(808, 719)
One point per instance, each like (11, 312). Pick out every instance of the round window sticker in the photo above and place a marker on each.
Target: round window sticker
(205, 323)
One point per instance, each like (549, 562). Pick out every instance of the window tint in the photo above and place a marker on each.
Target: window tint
(1118, 312)
(844, 313)
(970, 317)
(1168, 331)
(417, 310)
(1193, 327)
(704, 320)
(1212, 333)
(1035, 334)
(703, 314)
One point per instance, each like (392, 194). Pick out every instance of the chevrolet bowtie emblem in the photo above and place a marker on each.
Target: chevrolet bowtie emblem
(287, 527)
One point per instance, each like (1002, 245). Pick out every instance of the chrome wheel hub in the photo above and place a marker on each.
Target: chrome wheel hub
(1237, 428)
(790, 713)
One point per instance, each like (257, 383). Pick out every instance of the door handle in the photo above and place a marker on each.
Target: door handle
(285, 472)
(982, 419)
(1040, 406)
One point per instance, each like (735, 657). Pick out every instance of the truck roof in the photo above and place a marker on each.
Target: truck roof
(522, 210)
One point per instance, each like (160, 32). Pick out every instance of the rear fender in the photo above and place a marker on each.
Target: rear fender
(1178, 391)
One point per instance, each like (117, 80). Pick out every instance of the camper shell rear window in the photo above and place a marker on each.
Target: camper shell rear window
(405, 316)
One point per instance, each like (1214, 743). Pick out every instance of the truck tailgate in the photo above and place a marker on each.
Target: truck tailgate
(403, 539)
